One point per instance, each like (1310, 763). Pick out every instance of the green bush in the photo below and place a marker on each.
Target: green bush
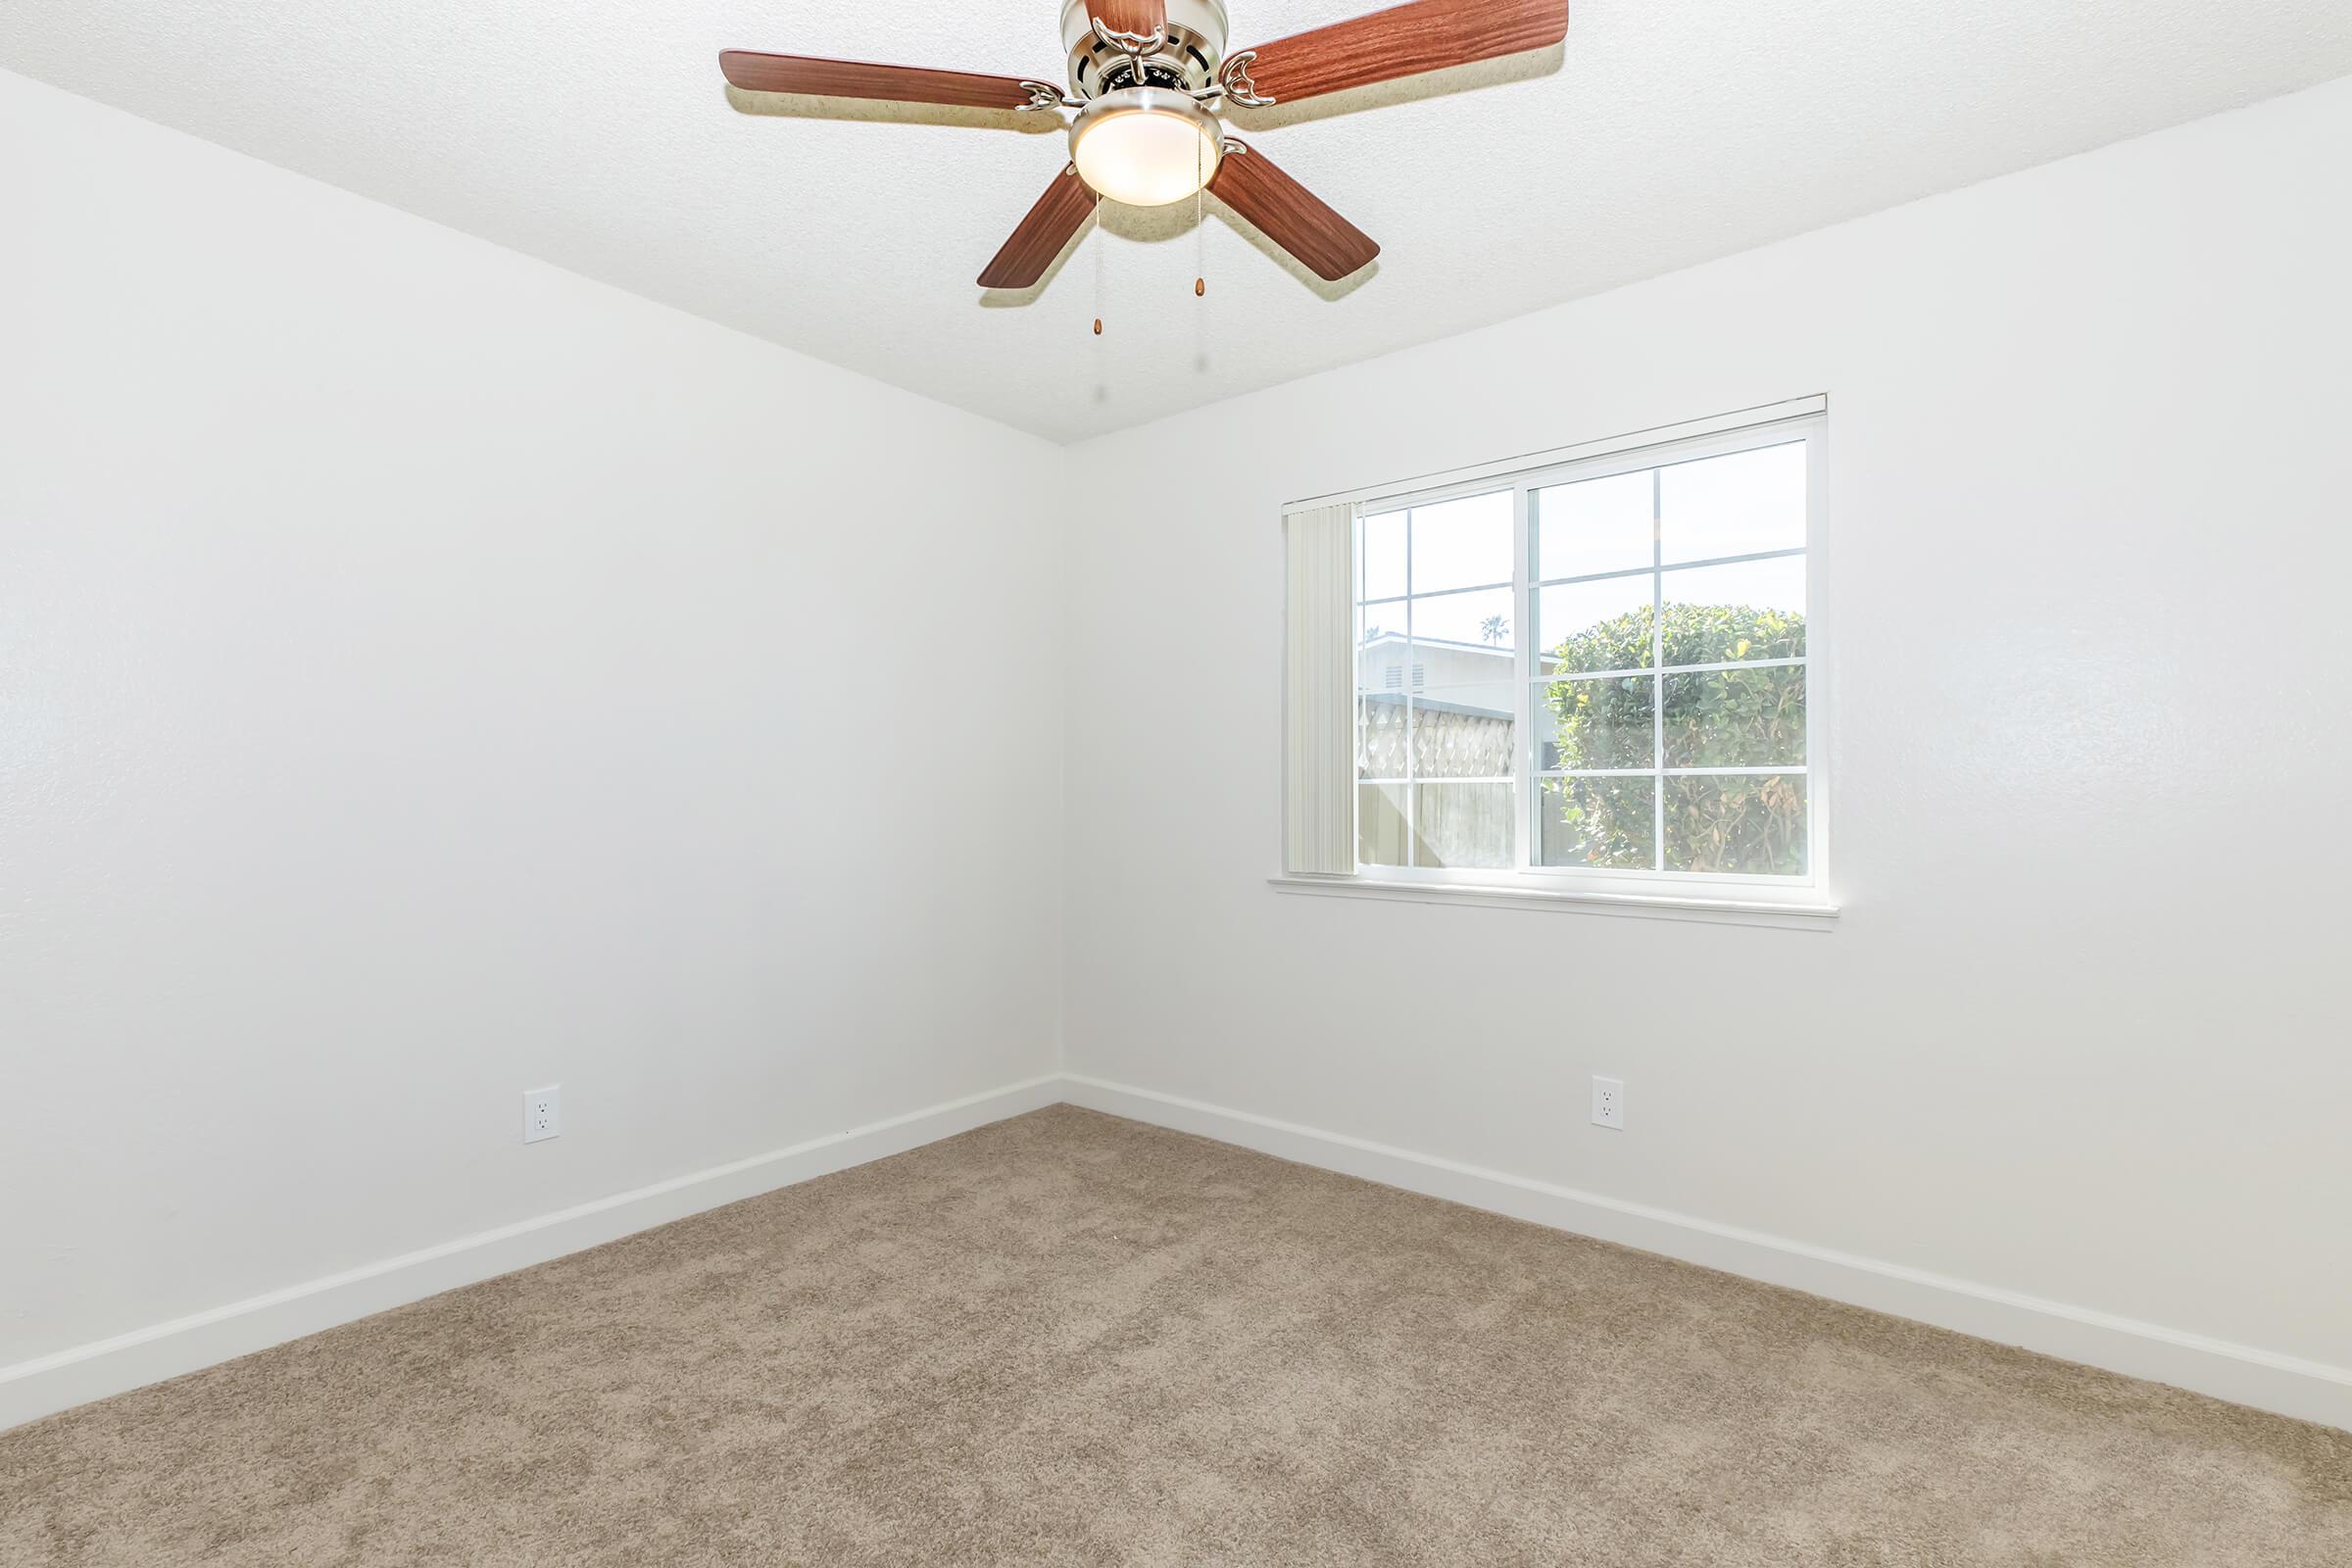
(1715, 718)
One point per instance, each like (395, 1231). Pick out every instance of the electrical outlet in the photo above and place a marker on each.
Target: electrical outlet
(542, 1114)
(1609, 1102)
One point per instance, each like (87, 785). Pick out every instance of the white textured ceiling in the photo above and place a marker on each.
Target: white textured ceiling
(598, 136)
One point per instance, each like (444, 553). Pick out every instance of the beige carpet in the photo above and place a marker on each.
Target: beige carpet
(1069, 1339)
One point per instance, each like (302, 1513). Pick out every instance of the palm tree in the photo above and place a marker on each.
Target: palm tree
(1495, 628)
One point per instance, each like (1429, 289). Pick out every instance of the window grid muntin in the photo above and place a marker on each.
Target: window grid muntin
(1656, 672)
(1413, 689)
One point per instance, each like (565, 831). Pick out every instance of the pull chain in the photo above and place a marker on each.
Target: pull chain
(1200, 214)
(1100, 240)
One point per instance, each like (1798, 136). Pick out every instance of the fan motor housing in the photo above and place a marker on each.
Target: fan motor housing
(1195, 47)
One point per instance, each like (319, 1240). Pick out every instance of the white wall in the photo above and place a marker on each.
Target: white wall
(407, 695)
(2081, 1031)
(403, 699)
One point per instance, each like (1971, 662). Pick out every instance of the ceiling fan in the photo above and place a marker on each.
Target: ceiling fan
(1148, 78)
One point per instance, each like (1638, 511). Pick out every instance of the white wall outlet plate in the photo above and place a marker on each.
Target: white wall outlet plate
(1609, 1102)
(542, 1114)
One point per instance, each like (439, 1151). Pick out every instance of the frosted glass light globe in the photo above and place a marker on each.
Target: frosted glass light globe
(1146, 146)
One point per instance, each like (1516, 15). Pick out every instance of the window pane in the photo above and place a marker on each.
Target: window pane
(1596, 525)
(1735, 505)
(1737, 718)
(1607, 822)
(1752, 824)
(1464, 825)
(1596, 723)
(1595, 625)
(1462, 544)
(1380, 836)
(1382, 658)
(1464, 732)
(1721, 615)
(1380, 557)
(1474, 631)
(1380, 720)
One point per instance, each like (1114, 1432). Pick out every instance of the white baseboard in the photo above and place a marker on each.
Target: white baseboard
(51, 1382)
(2239, 1373)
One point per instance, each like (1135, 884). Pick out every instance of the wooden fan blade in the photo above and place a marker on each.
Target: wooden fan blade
(1141, 18)
(854, 78)
(1058, 214)
(1401, 41)
(1289, 215)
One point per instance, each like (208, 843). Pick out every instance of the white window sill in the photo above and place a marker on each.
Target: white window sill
(1641, 905)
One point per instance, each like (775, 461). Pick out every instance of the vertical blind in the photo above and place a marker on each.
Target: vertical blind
(1319, 697)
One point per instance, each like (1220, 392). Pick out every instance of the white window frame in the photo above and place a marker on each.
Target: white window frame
(1752, 899)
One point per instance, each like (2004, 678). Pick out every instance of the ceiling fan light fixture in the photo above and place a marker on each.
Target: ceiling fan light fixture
(1146, 146)
(1139, 72)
